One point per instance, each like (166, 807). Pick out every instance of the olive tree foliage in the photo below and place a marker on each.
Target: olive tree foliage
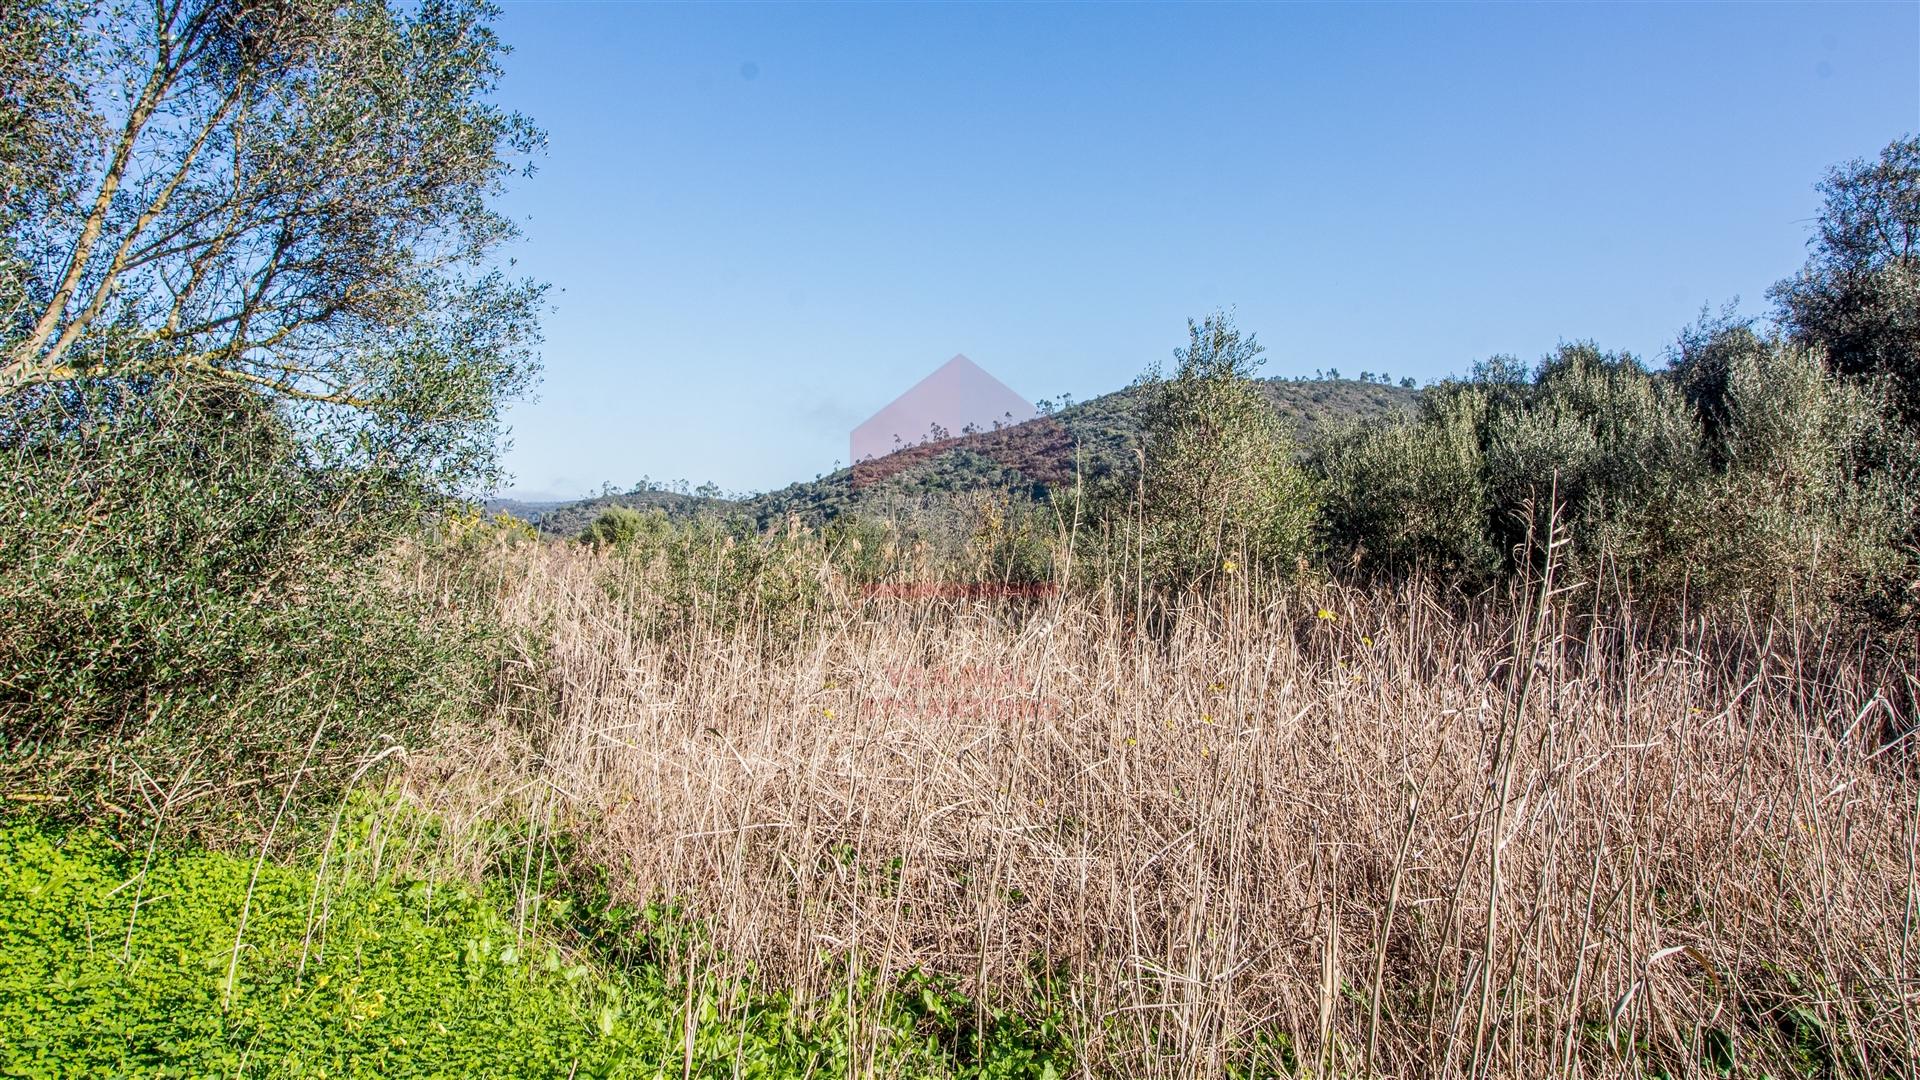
(1595, 438)
(1410, 493)
(1589, 437)
(1858, 297)
(1703, 362)
(44, 122)
(43, 128)
(1811, 486)
(1745, 472)
(1219, 482)
(290, 196)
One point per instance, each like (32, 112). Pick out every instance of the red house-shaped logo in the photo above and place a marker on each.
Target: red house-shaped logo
(957, 401)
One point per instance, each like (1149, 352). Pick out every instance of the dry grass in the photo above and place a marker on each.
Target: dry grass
(1399, 841)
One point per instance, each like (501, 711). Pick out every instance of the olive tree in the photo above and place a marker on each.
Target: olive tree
(1858, 297)
(1219, 479)
(287, 195)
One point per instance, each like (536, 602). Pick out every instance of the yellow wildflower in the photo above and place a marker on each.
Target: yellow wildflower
(1325, 615)
(1229, 566)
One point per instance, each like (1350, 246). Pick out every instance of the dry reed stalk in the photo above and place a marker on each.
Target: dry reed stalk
(1618, 854)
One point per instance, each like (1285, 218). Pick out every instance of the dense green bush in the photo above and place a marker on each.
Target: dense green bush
(720, 574)
(714, 574)
(189, 598)
(1742, 472)
(1410, 493)
(1589, 436)
(616, 525)
(990, 536)
(1013, 541)
(1595, 438)
(1812, 486)
(1219, 482)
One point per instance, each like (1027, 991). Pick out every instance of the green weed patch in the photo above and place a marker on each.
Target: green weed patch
(106, 971)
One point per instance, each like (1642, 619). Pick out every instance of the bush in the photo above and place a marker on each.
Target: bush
(191, 601)
(1743, 473)
(1813, 490)
(1219, 481)
(1012, 542)
(1589, 436)
(712, 574)
(616, 525)
(1410, 493)
(1597, 434)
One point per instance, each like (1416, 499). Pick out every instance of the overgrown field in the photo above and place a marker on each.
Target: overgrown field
(1277, 832)
(1555, 721)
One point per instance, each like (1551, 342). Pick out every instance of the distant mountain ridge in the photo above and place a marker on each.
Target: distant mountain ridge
(569, 517)
(1091, 439)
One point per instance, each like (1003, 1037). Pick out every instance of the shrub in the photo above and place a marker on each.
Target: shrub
(1590, 436)
(717, 574)
(189, 599)
(1012, 541)
(1600, 435)
(616, 525)
(1409, 493)
(866, 547)
(1743, 473)
(1813, 488)
(1219, 480)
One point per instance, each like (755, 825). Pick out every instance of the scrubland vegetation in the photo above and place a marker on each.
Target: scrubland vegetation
(1287, 831)
(1555, 721)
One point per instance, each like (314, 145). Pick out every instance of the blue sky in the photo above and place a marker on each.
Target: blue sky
(762, 222)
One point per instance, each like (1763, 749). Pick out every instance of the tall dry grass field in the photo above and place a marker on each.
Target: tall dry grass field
(1280, 832)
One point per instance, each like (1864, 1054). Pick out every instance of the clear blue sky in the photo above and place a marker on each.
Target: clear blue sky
(763, 222)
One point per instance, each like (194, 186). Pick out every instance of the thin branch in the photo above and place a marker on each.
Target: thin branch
(158, 81)
(110, 279)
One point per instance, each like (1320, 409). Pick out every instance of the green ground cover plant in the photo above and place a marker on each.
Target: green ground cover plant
(405, 980)
(120, 961)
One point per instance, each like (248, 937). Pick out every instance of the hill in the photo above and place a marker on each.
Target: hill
(1093, 440)
(568, 518)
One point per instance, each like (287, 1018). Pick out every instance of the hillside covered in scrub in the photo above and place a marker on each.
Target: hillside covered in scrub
(1091, 441)
(569, 518)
